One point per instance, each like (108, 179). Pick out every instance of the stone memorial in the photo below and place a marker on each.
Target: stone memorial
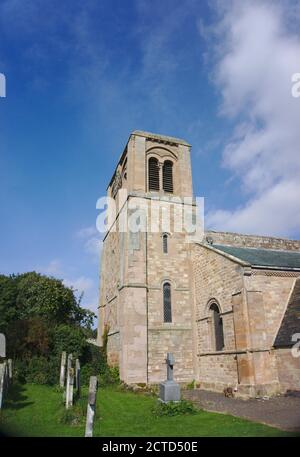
(77, 377)
(91, 407)
(2, 383)
(63, 369)
(169, 390)
(9, 370)
(2, 346)
(70, 382)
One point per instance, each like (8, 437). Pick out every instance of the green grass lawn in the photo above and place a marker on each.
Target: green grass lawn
(35, 410)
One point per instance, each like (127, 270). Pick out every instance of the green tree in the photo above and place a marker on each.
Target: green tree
(41, 317)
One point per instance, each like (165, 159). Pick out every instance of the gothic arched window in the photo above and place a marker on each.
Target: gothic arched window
(217, 327)
(153, 174)
(167, 302)
(165, 243)
(168, 176)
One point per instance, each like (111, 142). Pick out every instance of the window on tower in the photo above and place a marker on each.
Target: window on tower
(168, 176)
(167, 302)
(165, 243)
(153, 174)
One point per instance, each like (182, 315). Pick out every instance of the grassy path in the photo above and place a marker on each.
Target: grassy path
(34, 410)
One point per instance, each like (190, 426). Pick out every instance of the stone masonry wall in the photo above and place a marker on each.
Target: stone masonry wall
(177, 336)
(288, 369)
(109, 296)
(215, 278)
(275, 294)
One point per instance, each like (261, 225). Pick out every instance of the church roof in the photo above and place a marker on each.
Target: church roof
(263, 257)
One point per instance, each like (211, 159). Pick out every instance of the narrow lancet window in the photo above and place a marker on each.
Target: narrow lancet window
(167, 302)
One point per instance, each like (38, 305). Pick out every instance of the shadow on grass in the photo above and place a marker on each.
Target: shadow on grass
(16, 399)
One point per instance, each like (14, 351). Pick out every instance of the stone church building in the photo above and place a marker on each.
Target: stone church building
(227, 305)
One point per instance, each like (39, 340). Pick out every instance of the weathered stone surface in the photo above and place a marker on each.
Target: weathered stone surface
(91, 407)
(169, 391)
(10, 370)
(4, 381)
(290, 324)
(63, 369)
(2, 345)
(70, 382)
(77, 377)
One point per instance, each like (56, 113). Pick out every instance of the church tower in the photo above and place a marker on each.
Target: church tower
(146, 294)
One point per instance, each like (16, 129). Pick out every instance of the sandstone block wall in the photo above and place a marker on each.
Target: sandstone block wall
(275, 295)
(288, 370)
(134, 269)
(253, 303)
(215, 278)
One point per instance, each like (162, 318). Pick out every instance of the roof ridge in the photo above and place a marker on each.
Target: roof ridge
(257, 249)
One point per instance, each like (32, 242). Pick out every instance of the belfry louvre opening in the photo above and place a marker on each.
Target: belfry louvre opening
(168, 176)
(153, 174)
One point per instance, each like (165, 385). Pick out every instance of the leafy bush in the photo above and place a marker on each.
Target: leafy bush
(41, 317)
(75, 415)
(71, 339)
(191, 385)
(37, 370)
(109, 376)
(172, 408)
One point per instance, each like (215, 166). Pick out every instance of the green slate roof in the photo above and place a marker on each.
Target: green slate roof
(263, 257)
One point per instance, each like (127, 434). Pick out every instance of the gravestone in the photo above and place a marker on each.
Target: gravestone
(10, 371)
(2, 346)
(70, 382)
(91, 407)
(2, 383)
(169, 390)
(77, 377)
(63, 369)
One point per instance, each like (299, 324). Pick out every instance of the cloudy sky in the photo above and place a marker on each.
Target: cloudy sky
(82, 75)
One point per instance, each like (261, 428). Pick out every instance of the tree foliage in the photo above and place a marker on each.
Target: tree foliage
(32, 294)
(41, 317)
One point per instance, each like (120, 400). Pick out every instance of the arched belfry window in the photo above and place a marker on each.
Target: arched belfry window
(165, 243)
(217, 327)
(168, 176)
(167, 302)
(153, 174)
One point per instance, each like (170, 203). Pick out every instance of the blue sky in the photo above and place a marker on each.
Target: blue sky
(82, 75)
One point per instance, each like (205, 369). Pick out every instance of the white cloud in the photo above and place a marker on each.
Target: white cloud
(92, 241)
(81, 284)
(87, 232)
(54, 268)
(264, 213)
(258, 51)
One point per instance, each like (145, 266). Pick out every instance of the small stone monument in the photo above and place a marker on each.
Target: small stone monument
(77, 377)
(2, 383)
(2, 346)
(91, 407)
(169, 390)
(10, 370)
(70, 383)
(63, 369)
